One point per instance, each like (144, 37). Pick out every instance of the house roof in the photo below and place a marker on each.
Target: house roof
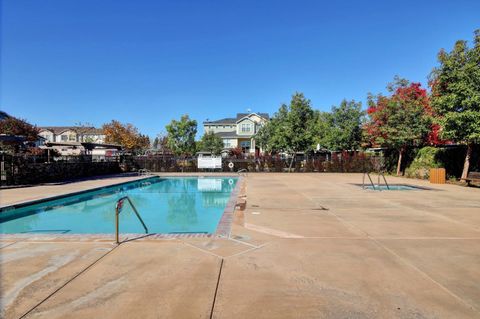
(234, 120)
(227, 120)
(242, 115)
(78, 129)
(4, 115)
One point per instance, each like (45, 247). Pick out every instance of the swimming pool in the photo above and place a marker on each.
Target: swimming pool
(167, 205)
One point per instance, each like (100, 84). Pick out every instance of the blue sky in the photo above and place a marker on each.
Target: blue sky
(147, 62)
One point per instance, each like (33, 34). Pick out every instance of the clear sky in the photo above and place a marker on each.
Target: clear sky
(147, 62)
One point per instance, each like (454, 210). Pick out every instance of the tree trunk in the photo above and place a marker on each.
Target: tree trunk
(291, 163)
(466, 163)
(399, 164)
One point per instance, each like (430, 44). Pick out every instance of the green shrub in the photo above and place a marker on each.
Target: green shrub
(425, 158)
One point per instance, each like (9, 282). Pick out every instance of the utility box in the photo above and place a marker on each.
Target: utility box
(437, 175)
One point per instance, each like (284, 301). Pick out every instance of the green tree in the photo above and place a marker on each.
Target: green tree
(291, 128)
(160, 143)
(455, 97)
(181, 136)
(341, 129)
(155, 143)
(401, 120)
(265, 134)
(212, 143)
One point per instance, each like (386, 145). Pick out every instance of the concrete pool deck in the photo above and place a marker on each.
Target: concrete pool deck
(307, 246)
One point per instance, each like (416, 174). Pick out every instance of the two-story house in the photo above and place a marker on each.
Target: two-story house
(72, 134)
(70, 137)
(238, 131)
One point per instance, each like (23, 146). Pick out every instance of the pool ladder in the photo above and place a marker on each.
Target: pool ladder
(242, 172)
(118, 210)
(371, 181)
(144, 172)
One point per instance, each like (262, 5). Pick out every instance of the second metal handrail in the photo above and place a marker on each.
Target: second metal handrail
(384, 179)
(118, 210)
(144, 171)
(244, 171)
(378, 180)
(363, 180)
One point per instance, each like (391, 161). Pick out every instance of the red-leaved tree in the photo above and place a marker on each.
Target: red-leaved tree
(401, 120)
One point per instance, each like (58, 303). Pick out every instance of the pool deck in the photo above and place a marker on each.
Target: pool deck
(306, 246)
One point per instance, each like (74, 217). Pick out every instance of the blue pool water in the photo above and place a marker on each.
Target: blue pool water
(392, 187)
(167, 205)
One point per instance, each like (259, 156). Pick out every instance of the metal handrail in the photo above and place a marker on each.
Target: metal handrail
(378, 180)
(144, 171)
(244, 171)
(118, 210)
(384, 179)
(363, 180)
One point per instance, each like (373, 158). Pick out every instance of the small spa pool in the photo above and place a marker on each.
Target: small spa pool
(393, 188)
(167, 205)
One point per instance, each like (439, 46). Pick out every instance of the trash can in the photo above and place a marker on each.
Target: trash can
(437, 175)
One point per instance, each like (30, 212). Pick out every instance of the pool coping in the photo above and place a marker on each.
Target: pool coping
(223, 229)
(28, 202)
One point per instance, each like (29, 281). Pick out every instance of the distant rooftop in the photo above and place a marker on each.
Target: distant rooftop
(78, 129)
(242, 115)
(4, 115)
(233, 120)
(227, 120)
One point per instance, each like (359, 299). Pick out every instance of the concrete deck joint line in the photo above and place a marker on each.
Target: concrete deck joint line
(202, 250)
(247, 251)
(242, 242)
(216, 289)
(446, 218)
(404, 261)
(425, 275)
(68, 281)
(271, 231)
(8, 245)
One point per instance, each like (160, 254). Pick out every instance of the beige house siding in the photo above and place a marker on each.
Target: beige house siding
(216, 128)
(230, 142)
(61, 134)
(67, 136)
(239, 131)
(246, 127)
(47, 135)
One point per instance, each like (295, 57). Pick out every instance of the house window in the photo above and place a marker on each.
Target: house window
(245, 145)
(64, 138)
(245, 128)
(227, 143)
(71, 137)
